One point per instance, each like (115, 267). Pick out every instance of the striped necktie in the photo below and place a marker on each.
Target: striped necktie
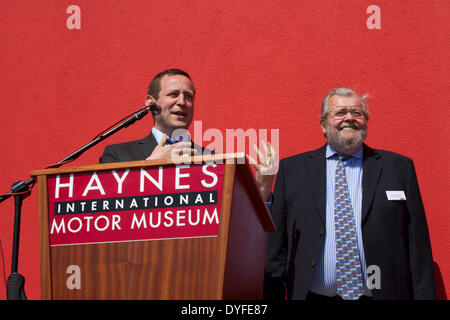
(349, 280)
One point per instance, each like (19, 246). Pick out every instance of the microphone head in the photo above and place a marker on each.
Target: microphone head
(155, 108)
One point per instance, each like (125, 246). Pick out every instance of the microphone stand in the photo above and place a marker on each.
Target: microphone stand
(20, 190)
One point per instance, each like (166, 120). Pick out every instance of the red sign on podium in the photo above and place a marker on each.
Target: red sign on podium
(150, 203)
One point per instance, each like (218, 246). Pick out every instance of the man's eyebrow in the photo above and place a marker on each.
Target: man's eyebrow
(354, 106)
(177, 91)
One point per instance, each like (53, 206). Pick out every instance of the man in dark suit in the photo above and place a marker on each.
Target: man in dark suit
(350, 219)
(174, 93)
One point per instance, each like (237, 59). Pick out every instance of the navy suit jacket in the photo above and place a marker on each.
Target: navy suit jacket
(136, 150)
(395, 233)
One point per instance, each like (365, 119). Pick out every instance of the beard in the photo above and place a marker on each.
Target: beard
(345, 145)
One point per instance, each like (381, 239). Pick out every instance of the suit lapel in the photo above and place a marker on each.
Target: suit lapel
(147, 145)
(318, 179)
(372, 168)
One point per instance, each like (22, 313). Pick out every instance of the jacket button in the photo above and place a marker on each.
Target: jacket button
(312, 264)
(321, 234)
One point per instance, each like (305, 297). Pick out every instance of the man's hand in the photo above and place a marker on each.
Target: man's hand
(172, 151)
(266, 169)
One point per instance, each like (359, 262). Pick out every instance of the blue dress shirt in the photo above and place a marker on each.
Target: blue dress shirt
(324, 279)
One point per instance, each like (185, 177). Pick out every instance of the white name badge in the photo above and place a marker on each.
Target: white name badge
(395, 195)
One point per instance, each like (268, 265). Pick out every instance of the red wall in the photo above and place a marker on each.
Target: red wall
(256, 64)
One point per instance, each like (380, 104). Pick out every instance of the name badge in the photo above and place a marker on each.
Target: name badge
(395, 195)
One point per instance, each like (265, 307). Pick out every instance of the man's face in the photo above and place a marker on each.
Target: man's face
(176, 99)
(346, 125)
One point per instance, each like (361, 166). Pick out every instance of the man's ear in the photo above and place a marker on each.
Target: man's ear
(149, 100)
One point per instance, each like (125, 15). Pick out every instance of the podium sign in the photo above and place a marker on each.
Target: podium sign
(150, 203)
(152, 230)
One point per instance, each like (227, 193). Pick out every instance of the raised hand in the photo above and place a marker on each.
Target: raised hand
(172, 151)
(266, 169)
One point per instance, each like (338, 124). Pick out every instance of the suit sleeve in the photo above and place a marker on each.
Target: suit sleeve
(109, 155)
(421, 259)
(275, 271)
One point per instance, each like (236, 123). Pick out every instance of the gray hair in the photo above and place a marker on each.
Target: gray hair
(346, 93)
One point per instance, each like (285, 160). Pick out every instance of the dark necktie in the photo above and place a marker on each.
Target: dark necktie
(170, 141)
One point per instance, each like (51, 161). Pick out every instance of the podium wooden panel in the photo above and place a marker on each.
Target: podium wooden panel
(228, 266)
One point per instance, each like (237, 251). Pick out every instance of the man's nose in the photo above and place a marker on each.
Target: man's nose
(349, 116)
(181, 99)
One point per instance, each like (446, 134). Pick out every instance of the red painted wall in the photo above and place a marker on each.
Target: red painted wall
(256, 64)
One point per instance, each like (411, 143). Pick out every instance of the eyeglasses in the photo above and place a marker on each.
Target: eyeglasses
(341, 113)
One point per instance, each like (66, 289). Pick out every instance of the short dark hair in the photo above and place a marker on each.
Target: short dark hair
(155, 85)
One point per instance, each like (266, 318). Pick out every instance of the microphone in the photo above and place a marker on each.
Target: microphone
(155, 108)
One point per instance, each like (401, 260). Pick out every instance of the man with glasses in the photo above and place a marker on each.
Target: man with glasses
(350, 219)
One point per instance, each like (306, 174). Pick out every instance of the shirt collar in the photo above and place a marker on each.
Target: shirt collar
(330, 152)
(158, 134)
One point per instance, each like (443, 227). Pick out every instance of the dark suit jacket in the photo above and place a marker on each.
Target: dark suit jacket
(135, 150)
(395, 233)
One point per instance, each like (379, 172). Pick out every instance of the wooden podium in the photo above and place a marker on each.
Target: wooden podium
(189, 231)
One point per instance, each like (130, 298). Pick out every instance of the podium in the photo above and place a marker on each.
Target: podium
(153, 230)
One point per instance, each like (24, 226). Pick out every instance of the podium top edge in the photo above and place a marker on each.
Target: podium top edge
(229, 158)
